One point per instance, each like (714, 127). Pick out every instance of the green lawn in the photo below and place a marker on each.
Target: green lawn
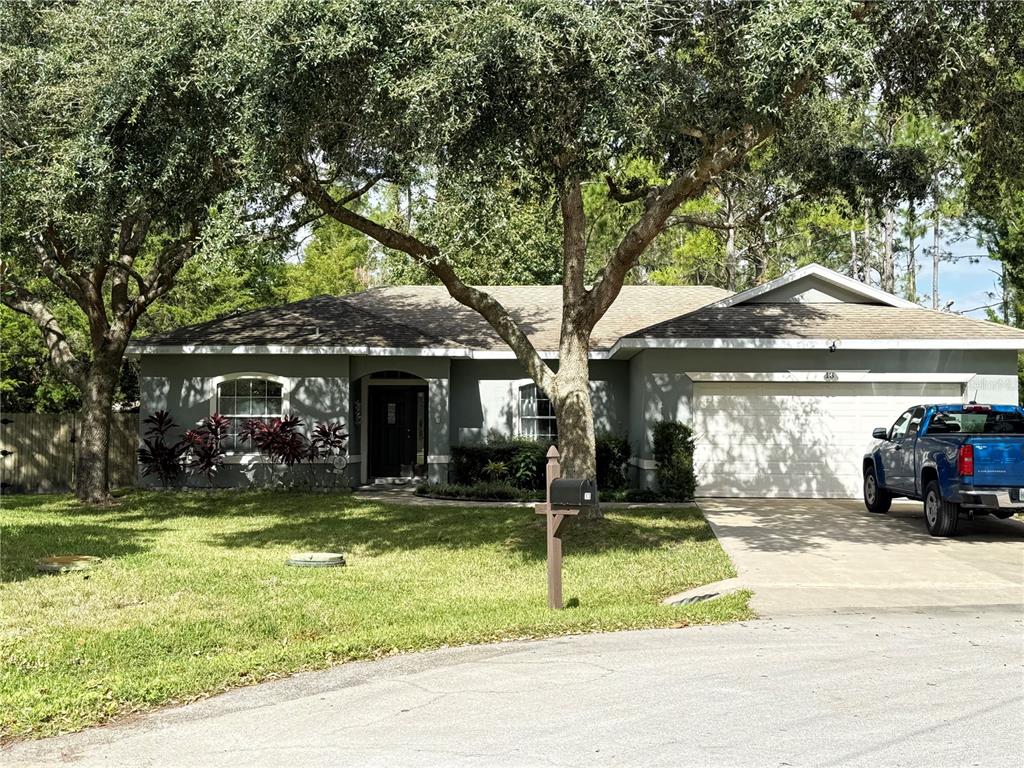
(193, 596)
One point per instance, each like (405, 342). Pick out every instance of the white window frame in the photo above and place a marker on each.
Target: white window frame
(240, 457)
(523, 418)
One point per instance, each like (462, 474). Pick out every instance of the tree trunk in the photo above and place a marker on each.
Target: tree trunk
(888, 266)
(574, 414)
(854, 266)
(911, 253)
(936, 255)
(1004, 283)
(730, 256)
(866, 260)
(731, 267)
(92, 468)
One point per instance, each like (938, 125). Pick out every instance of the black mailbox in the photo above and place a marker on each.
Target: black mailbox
(573, 493)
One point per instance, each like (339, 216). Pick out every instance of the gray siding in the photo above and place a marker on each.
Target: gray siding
(485, 397)
(183, 385)
(470, 398)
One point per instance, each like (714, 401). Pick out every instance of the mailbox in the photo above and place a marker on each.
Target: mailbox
(573, 493)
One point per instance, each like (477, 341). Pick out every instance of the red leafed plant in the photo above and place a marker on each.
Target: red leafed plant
(279, 440)
(329, 439)
(158, 456)
(204, 449)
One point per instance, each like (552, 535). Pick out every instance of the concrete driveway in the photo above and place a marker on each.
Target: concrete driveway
(823, 556)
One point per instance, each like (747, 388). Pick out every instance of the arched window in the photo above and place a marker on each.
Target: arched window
(536, 414)
(248, 397)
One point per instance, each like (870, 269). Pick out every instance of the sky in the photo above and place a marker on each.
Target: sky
(968, 285)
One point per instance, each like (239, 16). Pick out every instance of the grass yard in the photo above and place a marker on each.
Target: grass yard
(193, 596)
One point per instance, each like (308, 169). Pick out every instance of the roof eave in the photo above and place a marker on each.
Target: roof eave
(462, 353)
(628, 347)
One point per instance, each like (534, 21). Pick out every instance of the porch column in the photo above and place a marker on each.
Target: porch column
(438, 439)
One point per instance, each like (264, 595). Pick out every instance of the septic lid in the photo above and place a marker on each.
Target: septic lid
(65, 563)
(316, 559)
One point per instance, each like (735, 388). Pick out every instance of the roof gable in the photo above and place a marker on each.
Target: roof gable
(813, 284)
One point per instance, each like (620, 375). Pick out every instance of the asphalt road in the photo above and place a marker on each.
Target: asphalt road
(943, 688)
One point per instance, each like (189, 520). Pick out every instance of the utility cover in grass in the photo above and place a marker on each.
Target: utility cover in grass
(65, 563)
(316, 560)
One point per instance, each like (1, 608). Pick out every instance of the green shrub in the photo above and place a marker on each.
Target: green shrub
(523, 463)
(484, 491)
(528, 465)
(525, 459)
(495, 470)
(612, 463)
(673, 451)
(643, 496)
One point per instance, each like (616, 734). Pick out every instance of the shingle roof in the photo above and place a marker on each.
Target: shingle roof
(537, 308)
(319, 321)
(824, 321)
(426, 316)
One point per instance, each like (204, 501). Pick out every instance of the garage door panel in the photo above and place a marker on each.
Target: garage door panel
(794, 439)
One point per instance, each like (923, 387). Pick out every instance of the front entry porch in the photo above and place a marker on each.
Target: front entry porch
(400, 420)
(397, 430)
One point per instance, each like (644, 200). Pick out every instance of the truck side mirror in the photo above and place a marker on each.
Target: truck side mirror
(880, 433)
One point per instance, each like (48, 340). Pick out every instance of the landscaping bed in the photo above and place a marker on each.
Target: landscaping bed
(490, 491)
(193, 596)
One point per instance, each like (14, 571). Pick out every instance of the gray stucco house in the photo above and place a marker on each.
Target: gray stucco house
(782, 383)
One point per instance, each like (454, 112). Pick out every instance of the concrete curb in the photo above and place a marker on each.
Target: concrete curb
(705, 592)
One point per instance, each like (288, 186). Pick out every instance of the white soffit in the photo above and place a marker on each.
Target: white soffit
(829, 376)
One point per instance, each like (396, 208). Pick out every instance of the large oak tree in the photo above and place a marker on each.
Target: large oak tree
(120, 163)
(527, 101)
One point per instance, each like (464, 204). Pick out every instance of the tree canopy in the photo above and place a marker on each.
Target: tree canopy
(122, 160)
(489, 113)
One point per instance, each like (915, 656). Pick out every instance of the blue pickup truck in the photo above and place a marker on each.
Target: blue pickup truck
(960, 460)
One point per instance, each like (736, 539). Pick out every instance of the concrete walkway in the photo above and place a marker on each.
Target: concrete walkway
(893, 690)
(813, 557)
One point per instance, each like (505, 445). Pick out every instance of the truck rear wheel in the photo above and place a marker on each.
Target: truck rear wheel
(940, 516)
(877, 500)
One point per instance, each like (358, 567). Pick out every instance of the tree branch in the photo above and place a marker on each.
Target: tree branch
(690, 185)
(430, 257)
(53, 264)
(356, 194)
(158, 281)
(723, 153)
(619, 195)
(134, 230)
(690, 220)
(15, 297)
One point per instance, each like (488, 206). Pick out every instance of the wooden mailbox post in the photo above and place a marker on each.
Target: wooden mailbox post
(555, 516)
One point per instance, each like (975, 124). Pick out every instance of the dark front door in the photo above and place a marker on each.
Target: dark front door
(397, 436)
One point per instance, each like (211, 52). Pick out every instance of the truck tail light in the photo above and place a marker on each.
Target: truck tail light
(965, 461)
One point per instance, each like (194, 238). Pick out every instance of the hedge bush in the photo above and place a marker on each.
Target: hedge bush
(483, 491)
(673, 451)
(524, 463)
(612, 463)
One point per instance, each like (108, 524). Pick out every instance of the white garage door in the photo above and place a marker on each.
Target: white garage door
(794, 439)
